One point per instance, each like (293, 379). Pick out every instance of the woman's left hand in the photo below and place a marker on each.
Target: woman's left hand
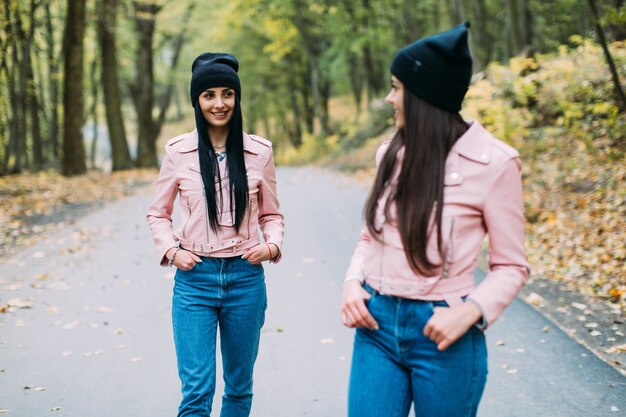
(258, 254)
(448, 324)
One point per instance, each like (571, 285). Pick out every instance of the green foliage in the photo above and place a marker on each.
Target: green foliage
(296, 55)
(570, 90)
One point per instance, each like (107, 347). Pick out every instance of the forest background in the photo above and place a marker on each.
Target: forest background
(90, 90)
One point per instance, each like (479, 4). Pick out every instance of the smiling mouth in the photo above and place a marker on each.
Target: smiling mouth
(220, 114)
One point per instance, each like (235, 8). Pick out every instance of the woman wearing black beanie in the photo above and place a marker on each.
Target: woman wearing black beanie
(442, 185)
(225, 181)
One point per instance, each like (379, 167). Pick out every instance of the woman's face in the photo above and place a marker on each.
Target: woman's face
(396, 99)
(217, 104)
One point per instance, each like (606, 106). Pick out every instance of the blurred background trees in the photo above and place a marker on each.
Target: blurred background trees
(96, 80)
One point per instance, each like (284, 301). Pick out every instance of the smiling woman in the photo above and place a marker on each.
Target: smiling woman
(225, 181)
(217, 108)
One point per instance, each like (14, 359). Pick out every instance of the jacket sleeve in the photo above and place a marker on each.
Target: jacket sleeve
(355, 269)
(271, 220)
(503, 214)
(160, 213)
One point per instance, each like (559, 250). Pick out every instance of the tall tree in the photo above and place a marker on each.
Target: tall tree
(107, 22)
(16, 148)
(456, 11)
(31, 92)
(94, 81)
(482, 41)
(53, 83)
(621, 97)
(73, 162)
(314, 42)
(177, 47)
(143, 87)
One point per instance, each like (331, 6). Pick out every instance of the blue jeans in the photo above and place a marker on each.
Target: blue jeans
(229, 292)
(397, 365)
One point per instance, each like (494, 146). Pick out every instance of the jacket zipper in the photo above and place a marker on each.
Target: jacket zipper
(449, 248)
(187, 222)
(206, 215)
(382, 251)
(249, 215)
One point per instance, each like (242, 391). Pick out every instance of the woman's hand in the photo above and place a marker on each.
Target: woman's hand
(448, 324)
(354, 313)
(184, 259)
(258, 254)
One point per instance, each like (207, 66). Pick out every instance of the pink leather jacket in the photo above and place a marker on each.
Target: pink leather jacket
(180, 176)
(482, 195)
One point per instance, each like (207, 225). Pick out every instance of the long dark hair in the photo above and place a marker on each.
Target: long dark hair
(428, 134)
(235, 163)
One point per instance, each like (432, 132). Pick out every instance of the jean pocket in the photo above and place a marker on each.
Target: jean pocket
(194, 266)
(431, 305)
(372, 292)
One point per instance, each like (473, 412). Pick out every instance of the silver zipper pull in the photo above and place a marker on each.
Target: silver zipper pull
(448, 260)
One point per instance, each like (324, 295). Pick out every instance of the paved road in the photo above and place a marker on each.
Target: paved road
(96, 340)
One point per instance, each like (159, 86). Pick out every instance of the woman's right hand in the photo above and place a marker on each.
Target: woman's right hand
(354, 312)
(184, 259)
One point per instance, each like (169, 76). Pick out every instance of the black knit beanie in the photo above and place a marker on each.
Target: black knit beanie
(437, 68)
(213, 69)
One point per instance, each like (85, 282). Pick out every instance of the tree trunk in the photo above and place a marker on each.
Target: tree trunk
(296, 136)
(35, 128)
(53, 132)
(18, 96)
(177, 48)
(518, 16)
(482, 41)
(309, 113)
(31, 93)
(120, 154)
(313, 44)
(267, 126)
(315, 90)
(11, 148)
(325, 89)
(374, 73)
(618, 29)
(455, 11)
(93, 111)
(142, 90)
(621, 103)
(412, 21)
(73, 162)
(356, 82)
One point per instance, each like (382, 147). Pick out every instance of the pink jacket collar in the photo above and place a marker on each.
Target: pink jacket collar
(190, 143)
(475, 144)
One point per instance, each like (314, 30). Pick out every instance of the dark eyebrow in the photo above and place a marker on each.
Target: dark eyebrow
(208, 90)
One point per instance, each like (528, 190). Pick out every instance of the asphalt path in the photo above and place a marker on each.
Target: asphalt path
(88, 333)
